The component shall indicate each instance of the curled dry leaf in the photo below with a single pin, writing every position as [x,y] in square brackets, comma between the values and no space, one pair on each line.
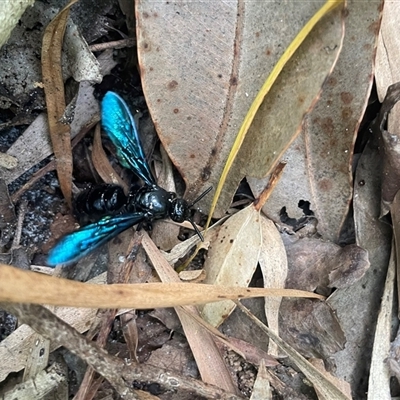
[80,62]
[55,99]
[202,65]
[195,276]
[102,163]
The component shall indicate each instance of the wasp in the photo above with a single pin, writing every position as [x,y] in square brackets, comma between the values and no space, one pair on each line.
[115,211]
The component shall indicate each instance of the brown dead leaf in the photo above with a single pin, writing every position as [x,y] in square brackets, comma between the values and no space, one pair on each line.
[391,147]
[387,69]
[202,64]
[253,354]
[208,358]
[311,328]
[357,306]
[314,263]
[19,286]
[319,160]
[55,99]
[175,356]
[102,164]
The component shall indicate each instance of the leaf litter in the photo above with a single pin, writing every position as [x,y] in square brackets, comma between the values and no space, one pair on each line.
[303,251]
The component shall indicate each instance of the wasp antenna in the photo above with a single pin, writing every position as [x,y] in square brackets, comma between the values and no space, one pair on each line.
[200,197]
[197,230]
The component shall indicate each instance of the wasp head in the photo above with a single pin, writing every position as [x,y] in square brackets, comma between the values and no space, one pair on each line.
[180,210]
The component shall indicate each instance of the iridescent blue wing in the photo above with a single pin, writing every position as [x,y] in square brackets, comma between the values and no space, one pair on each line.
[119,125]
[80,243]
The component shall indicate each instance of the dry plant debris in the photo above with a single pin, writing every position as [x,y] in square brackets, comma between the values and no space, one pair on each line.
[315,255]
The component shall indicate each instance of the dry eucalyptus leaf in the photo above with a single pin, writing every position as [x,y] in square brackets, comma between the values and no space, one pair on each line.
[261,389]
[319,160]
[279,119]
[55,99]
[311,328]
[253,354]
[102,163]
[327,389]
[391,146]
[380,374]
[17,286]
[341,384]
[387,70]
[314,263]
[273,264]
[202,65]
[357,306]
[232,258]
[209,361]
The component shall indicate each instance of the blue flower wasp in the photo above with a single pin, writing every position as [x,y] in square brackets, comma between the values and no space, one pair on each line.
[118,212]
